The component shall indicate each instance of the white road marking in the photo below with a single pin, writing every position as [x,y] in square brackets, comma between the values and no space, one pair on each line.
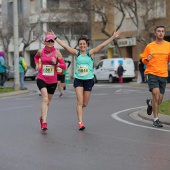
[130,91]
[115,116]
[12,108]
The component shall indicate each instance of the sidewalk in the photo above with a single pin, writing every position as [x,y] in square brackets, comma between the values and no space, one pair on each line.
[7,94]
[19,92]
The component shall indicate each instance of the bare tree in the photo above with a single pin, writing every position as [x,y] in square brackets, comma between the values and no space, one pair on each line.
[71,24]
[26,32]
[5,37]
[107,4]
[142,15]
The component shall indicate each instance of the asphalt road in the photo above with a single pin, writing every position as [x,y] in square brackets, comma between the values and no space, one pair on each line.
[113,139]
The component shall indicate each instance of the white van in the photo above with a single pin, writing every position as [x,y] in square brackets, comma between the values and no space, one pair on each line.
[106,69]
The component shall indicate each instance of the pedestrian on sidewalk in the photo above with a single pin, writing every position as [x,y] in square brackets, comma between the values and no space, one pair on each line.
[120,71]
[84,75]
[3,67]
[156,57]
[141,70]
[22,70]
[51,58]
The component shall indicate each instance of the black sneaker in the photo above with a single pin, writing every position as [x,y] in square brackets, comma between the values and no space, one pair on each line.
[61,94]
[157,123]
[149,108]
[64,88]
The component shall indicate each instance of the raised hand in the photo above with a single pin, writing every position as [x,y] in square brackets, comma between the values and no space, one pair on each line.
[53,33]
[116,34]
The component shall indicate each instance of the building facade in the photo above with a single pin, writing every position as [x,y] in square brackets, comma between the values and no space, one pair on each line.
[69,19]
[150,14]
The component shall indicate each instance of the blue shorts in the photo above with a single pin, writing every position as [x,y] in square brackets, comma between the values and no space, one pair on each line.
[157,82]
[50,87]
[86,84]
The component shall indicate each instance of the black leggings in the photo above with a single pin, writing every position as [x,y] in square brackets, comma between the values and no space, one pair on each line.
[3,78]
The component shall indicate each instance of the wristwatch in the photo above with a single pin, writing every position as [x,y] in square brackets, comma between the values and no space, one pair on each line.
[55,38]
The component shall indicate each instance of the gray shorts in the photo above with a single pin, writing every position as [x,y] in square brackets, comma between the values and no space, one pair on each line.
[157,82]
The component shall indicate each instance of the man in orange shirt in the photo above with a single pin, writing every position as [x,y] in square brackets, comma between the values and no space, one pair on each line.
[156,57]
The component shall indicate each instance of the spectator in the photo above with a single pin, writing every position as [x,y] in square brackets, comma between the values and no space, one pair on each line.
[22,70]
[3,67]
[141,70]
[120,71]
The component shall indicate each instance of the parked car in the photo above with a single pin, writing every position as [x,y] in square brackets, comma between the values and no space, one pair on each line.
[106,69]
[30,74]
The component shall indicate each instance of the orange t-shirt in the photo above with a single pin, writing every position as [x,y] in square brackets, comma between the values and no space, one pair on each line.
[158,65]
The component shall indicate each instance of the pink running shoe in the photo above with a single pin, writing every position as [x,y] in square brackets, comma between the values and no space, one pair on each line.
[44,126]
[81,126]
[40,120]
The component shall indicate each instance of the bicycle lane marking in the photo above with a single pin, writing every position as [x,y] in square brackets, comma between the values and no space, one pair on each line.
[115,116]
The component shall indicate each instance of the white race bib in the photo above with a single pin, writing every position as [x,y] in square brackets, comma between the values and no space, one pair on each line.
[48,70]
[83,70]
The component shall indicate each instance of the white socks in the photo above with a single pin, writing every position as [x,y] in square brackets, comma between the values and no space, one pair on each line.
[155,119]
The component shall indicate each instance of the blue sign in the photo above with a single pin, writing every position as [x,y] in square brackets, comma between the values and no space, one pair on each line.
[112,63]
[120,62]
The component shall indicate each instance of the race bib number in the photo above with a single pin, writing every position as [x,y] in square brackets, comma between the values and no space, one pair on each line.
[48,70]
[83,70]
[59,70]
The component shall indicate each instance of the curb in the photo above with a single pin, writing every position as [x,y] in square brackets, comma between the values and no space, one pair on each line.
[7,94]
[165,119]
[134,83]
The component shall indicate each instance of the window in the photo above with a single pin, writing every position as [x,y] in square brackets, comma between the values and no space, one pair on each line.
[60,29]
[78,3]
[157,9]
[20,7]
[10,12]
[99,65]
[32,4]
[53,3]
[77,29]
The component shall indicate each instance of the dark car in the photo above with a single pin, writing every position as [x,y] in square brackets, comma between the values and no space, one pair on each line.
[30,74]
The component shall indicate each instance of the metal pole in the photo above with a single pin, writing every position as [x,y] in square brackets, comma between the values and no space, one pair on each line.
[16,47]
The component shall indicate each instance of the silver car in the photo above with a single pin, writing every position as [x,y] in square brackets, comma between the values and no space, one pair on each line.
[30,74]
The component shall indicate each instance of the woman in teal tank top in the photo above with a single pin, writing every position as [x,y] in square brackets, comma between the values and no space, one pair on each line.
[83,75]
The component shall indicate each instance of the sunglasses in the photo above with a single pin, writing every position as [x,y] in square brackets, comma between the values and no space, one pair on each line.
[50,41]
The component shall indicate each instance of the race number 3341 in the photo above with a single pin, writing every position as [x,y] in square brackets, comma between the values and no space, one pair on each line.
[48,70]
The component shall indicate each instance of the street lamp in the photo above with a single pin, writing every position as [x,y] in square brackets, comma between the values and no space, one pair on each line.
[16,47]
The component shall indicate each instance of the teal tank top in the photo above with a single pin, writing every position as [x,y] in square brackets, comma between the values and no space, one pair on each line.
[84,67]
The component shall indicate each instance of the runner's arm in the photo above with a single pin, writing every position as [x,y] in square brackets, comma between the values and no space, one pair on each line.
[69,63]
[60,60]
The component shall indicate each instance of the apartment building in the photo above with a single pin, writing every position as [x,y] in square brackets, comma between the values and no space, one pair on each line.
[69,19]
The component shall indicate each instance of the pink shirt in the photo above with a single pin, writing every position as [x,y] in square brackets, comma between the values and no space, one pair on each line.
[48,72]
